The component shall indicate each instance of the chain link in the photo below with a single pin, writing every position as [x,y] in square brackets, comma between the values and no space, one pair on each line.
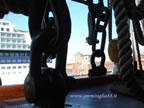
[97,22]
[99,15]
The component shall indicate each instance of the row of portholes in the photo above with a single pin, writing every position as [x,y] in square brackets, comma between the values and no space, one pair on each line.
[3,29]
[14,67]
[15,53]
[10,35]
[10,73]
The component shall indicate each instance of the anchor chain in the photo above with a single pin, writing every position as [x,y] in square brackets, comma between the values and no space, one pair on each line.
[101,13]
[125,51]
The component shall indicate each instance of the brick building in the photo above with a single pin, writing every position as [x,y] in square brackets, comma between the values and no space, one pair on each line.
[82,65]
[142,61]
[81,58]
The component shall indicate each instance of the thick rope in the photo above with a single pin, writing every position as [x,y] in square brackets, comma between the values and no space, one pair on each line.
[134,12]
[125,51]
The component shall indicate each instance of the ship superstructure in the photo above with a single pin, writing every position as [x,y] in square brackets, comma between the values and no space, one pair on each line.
[14,53]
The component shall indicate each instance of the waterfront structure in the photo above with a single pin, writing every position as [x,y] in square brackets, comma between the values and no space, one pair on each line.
[14,53]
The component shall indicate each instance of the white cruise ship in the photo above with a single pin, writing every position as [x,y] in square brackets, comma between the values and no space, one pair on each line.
[14,54]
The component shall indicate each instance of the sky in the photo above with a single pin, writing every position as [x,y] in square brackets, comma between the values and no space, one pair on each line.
[79,32]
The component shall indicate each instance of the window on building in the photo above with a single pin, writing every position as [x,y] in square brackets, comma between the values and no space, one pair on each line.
[24,41]
[2,34]
[6,54]
[18,35]
[14,41]
[3,67]
[2,29]
[19,41]
[19,61]
[14,61]
[24,67]
[29,54]
[13,35]
[8,35]
[1,54]
[19,67]
[19,46]
[14,67]
[8,61]
[8,67]
[14,46]
[24,60]
[26,54]
[8,40]
[2,46]
[11,54]
[8,46]
[22,36]
[2,61]
[7,29]
[16,54]
[3,40]
[5,23]
[24,47]
[21,54]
